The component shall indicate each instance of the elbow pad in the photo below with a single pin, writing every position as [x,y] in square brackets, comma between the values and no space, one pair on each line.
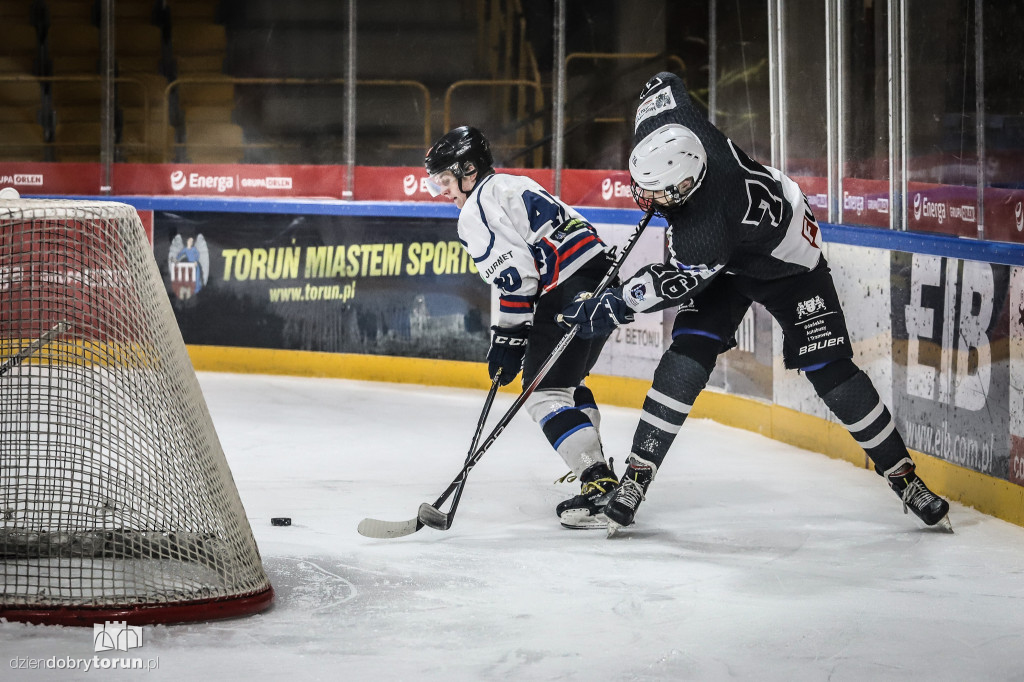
[658,286]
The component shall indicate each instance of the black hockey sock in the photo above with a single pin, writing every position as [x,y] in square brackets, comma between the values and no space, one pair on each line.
[857,405]
[678,381]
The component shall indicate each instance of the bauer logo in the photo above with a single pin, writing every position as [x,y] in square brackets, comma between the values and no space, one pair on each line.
[116,636]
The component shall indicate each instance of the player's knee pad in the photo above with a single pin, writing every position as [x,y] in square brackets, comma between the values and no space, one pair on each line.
[704,350]
[686,366]
[547,401]
[583,397]
[826,378]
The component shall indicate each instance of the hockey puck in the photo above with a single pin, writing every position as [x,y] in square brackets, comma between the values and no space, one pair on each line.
[280,521]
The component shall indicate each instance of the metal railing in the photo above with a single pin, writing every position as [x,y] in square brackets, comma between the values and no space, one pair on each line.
[623,56]
[522,84]
[50,114]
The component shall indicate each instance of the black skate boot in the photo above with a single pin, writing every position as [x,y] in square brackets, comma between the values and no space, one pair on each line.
[632,491]
[584,510]
[928,506]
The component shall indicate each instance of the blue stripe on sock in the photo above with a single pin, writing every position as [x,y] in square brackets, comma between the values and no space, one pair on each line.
[696,332]
[569,433]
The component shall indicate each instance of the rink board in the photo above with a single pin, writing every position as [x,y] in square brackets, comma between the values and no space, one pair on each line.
[381,291]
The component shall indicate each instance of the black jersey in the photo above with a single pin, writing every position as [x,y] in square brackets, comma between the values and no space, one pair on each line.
[745,218]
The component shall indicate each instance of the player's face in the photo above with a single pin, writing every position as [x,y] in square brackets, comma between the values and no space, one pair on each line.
[667,198]
[449,186]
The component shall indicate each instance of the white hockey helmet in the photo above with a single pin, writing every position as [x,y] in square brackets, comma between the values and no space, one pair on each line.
[667,166]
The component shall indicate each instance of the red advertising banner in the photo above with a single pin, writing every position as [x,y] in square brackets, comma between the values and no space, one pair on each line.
[866,202]
[947,209]
[816,191]
[1004,215]
[409,183]
[600,188]
[229,180]
[30,177]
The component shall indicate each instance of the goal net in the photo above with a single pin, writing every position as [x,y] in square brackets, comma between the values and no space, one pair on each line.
[116,501]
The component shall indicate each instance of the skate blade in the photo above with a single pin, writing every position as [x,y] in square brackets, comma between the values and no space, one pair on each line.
[581,520]
[613,529]
[943,525]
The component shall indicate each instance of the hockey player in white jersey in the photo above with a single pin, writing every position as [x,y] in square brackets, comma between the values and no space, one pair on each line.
[539,253]
[738,232]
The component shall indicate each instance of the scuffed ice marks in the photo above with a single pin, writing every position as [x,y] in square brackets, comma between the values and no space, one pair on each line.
[311,585]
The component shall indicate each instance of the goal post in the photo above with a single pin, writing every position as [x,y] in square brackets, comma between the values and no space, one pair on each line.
[116,500]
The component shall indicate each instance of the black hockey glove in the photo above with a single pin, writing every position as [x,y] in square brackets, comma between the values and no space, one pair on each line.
[596,316]
[508,346]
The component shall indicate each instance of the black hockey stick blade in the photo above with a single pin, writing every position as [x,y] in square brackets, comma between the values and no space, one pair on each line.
[375,528]
[29,350]
[429,515]
[382,530]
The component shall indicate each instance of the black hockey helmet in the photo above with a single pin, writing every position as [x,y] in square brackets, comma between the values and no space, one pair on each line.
[457,150]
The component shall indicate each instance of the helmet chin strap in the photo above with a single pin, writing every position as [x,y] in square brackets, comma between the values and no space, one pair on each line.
[461,188]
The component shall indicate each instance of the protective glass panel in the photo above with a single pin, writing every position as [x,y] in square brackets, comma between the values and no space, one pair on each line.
[804,97]
[940,116]
[865,113]
[742,82]
[612,49]
[1004,120]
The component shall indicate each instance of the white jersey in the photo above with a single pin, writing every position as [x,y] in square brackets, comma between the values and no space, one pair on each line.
[523,241]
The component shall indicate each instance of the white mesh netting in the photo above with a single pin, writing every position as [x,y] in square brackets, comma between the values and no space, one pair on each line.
[114,490]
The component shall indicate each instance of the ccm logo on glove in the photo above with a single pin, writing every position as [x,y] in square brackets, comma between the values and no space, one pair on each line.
[508,346]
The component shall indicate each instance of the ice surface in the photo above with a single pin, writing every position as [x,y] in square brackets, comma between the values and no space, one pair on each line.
[750,560]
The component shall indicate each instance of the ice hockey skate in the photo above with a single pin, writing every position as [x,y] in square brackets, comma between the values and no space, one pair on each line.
[632,490]
[585,511]
[916,496]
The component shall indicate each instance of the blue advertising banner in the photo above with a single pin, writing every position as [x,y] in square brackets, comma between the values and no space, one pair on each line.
[333,283]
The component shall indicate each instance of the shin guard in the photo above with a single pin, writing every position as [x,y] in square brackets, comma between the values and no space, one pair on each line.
[678,381]
[567,428]
[856,403]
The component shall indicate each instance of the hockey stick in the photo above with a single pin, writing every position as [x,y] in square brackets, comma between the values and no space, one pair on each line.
[29,350]
[375,528]
[430,515]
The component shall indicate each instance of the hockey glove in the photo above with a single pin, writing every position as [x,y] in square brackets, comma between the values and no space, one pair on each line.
[508,346]
[596,317]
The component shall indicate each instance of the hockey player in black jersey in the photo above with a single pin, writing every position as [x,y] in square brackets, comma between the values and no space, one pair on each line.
[738,232]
